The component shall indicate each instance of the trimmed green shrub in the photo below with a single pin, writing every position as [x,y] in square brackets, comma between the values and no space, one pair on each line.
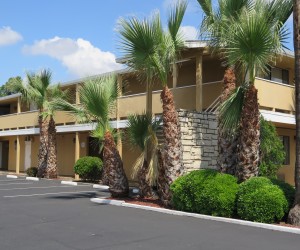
[32,172]
[287,189]
[89,168]
[206,192]
[261,201]
[272,152]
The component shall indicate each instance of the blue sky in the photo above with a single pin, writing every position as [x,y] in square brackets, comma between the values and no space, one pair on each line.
[73,38]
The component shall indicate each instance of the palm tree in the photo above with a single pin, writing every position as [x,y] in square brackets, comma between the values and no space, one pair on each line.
[151,52]
[97,103]
[39,91]
[141,133]
[294,214]
[251,42]
[227,11]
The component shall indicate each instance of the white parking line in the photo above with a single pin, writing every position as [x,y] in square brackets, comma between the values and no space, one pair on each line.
[29,195]
[11,176]
[12,180]
[17,183]
[7,189]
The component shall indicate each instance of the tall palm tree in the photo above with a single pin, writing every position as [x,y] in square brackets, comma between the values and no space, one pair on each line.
[294,214]
[227,11]
[151,52]
[141,133]
[97,103]
[38,90]
[251,42]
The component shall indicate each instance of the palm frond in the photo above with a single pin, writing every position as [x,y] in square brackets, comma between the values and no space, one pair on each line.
[137,165]
[138,129]
[174,22]
[76,111]
[230,112]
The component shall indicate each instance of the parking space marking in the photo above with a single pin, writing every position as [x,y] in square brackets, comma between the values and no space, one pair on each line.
[16,183]
[30,195]
[13,180]
[7,189]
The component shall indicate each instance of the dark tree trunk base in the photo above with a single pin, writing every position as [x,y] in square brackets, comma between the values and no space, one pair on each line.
[113,168]
[294,215]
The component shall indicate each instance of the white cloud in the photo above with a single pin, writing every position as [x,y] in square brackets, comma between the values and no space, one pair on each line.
[79,56]
[189,32]
[9,36]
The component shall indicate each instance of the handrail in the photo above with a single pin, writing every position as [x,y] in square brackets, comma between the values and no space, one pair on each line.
[214,105]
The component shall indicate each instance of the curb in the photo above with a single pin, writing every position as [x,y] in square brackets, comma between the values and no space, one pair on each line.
[11,176]
[69,183]
[32,179]
[201,216]
[103,187]
[107,202]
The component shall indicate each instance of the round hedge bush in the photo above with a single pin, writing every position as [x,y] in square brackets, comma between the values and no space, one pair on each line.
[261,201]
[206,192]
[32,172]
[89,168]
[287,189]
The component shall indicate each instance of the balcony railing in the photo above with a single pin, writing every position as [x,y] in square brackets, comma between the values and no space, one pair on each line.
[275,96]
[272,96]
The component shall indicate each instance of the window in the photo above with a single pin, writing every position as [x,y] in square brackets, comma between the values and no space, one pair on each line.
[276,75]
[286,145]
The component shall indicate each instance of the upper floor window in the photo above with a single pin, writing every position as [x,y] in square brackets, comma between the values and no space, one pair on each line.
[277,75]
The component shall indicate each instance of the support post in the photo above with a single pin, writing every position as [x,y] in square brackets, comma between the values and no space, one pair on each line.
[18,155]
[175,75]
[19,105]
[77,150]
[120,85]
[149,99]
[199,82]
[77,97]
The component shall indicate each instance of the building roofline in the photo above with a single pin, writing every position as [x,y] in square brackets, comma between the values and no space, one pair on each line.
[3,98]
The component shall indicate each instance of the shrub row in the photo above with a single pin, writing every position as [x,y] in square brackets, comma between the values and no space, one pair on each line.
[209,192]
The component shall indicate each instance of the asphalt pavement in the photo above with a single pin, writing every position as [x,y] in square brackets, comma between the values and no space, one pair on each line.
[46,215]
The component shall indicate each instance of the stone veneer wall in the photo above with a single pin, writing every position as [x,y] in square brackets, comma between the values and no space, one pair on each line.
[199,134]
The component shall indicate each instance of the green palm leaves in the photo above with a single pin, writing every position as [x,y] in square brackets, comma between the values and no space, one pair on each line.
[141,133]
[97,102]
[148,48]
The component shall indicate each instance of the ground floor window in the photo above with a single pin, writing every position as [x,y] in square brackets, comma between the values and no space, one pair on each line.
[286,145]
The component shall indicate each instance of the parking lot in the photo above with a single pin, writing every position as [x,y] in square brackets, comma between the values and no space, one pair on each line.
[46,214]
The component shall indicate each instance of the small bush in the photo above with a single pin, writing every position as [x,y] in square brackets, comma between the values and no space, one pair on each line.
[89,168]
[206,192]
[32,172]
[261,201]
[287,189]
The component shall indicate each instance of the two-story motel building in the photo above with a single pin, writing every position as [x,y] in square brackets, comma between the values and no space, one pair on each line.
[197,87]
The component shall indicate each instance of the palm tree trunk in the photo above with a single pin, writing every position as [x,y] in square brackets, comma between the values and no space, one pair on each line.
[114,172]
[162,183]
[172,151]
[227,146]
[51,171]
[145,188]
[249,140]
[43,149]
[294,214]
